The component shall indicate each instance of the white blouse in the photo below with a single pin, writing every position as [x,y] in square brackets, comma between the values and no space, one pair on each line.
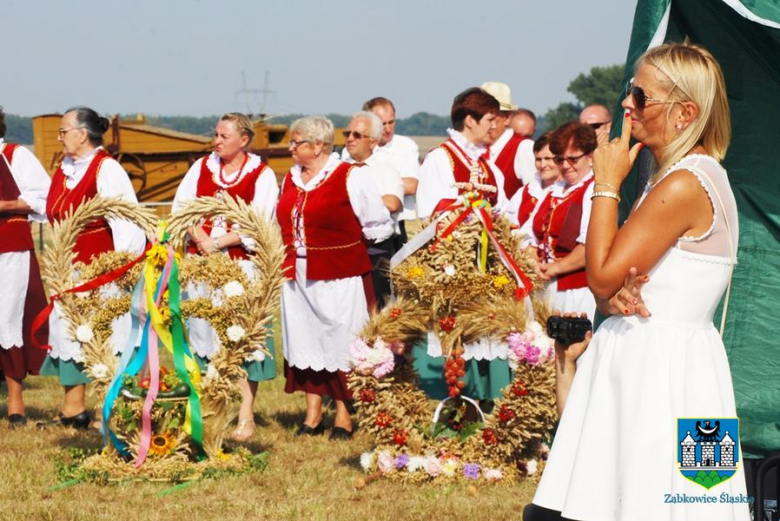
[32,180]
[437,179]
[112,181]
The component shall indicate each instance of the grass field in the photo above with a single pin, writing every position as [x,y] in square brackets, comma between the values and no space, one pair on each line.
[311,478]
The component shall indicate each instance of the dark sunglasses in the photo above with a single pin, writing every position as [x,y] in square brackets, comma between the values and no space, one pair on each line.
[569,159]
[356,135]
[596,126]
[640,98]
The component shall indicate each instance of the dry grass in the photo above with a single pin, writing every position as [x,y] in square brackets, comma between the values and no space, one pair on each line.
[306,478]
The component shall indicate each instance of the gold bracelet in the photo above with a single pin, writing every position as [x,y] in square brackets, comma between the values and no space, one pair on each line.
[611,195]
[607,185]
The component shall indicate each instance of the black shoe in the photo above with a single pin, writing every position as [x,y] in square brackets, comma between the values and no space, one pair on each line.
[339,433]
[78,421]
[17,420]
[305,430]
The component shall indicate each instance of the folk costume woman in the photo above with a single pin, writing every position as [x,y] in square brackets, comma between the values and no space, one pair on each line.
[24,185]
[473,116]
[522,205]
[328,209]
[229,171]
[86,171]
[641,373]
[560,220]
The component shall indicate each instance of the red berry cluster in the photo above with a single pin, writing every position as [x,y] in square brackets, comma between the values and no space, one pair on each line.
[505,414]
[454,369]
[367,396]
[447,323]
[489,437]
[401,437]
[395,312]
[519,388]
[383,420]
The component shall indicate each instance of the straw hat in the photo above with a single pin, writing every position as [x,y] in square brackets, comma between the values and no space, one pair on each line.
[501,92]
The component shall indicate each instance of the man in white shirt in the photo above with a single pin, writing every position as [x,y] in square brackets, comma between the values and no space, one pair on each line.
[403,153]
[511,152]
[523,122]
[363,137]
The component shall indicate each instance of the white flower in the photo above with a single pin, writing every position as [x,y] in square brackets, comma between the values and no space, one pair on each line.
[256,356]
[449,269]
[235,333]
[492,474]
[532,466]
[84,333]
[99,371]
[416,463]
[365,460]
[233,289]
[109,291]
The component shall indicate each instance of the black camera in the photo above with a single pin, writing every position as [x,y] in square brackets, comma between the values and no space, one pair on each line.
[568,330]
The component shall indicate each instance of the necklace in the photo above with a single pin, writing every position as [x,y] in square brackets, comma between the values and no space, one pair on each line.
[222,179]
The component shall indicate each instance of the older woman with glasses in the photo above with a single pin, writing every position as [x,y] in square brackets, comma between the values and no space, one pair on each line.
[560,221]
[229,170]
[86,172]
[327,211]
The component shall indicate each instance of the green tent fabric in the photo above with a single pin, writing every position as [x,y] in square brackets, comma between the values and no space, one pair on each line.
[745,38]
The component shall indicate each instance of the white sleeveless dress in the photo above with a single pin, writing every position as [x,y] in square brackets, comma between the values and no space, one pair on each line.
[615,452]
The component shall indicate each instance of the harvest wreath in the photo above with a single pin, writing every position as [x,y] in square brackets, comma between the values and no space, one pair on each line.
[464,278]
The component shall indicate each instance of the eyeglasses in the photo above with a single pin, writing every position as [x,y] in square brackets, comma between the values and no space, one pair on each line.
[388,123]
[640,98]
[62,131]
[596,126]
[357,135]
[569,159]
[295,144]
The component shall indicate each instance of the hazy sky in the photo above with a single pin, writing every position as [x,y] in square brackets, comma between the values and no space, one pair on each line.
[186,57]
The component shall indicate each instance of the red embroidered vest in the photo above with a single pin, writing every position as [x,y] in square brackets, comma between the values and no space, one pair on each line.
[527,204]
[14,229]
[506,162]
[333,234]
[461,172]
[96,237]
[244,189]
[557,226]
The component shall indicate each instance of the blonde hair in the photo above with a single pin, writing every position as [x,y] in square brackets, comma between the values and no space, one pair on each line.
[692,74]
[243,124]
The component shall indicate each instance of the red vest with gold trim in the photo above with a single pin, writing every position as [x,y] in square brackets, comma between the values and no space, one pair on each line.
[557,226]
[527,204]
[333,234]
[506,162]
[14,229]
[461,172]
[96,237]
[244,189]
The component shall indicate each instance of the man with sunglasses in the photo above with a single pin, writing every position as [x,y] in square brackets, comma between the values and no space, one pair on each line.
[512,153]
[362,137]
[599,118]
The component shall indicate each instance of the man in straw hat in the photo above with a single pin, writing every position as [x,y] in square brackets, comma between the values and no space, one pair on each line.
[511,152]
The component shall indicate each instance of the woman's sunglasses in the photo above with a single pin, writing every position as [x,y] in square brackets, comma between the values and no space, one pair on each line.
[640,98]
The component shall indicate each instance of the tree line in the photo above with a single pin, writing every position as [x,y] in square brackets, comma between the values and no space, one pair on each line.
[601,85]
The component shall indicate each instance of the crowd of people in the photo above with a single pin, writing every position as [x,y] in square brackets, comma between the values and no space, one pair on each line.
[342,216]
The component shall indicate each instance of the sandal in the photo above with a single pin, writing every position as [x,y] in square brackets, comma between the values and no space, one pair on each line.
[244,430]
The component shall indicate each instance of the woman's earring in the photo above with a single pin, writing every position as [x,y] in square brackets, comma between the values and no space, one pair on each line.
[678,127]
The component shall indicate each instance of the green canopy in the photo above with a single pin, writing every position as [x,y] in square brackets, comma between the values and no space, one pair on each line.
[745,38]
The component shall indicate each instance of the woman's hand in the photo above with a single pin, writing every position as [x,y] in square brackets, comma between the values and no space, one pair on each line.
[567,354]
[613,161]
[207,246]
[628,299]
[548,271]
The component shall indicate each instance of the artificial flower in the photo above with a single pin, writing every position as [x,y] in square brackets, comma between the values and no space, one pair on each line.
[433,466]
[84,333]
[492,474]
[255,356]
[489,437]
[450,467]
[233,289]
[449,270]
[367,396]
[401,460]
[383,420]
[471,470]
[500,281]
[505,414]
[532,466]
[365,460]
[415,272]
[401,437]
[385,461]
[416,463]
[99,371]
[162,444]
[235,333]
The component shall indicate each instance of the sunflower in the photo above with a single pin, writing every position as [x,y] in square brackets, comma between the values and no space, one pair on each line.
[162,444]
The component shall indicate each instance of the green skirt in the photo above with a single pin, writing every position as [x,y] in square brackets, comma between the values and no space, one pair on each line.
[256,371]
[485,379]
[69,372]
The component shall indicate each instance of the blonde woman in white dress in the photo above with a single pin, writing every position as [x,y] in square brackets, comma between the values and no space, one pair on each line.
[614,454]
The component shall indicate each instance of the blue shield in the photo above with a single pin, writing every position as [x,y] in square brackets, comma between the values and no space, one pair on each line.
[708,449]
